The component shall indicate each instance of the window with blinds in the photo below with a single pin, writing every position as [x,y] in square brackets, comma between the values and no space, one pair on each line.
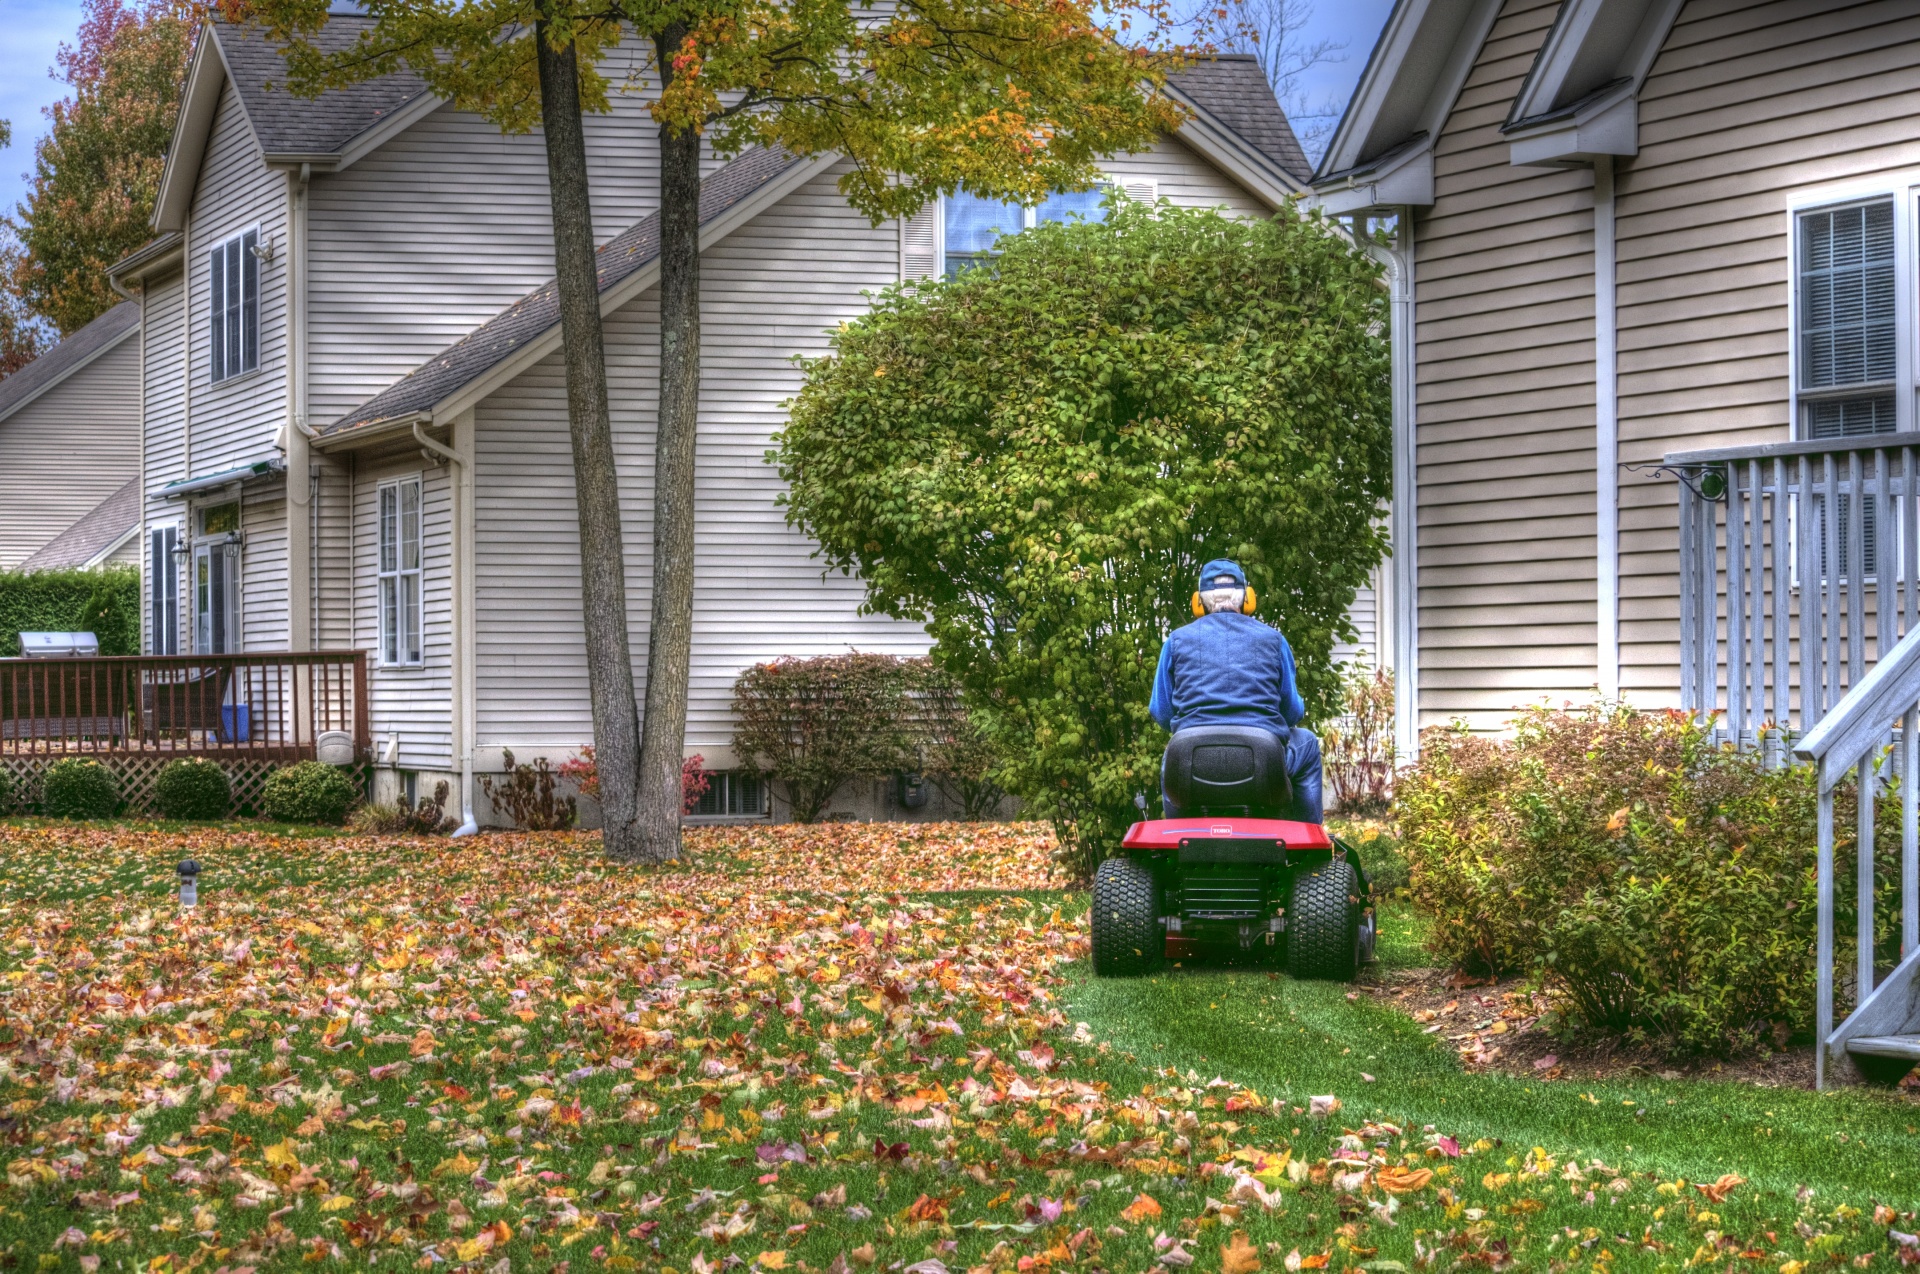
[163,583]
[1848,320]
[233,306]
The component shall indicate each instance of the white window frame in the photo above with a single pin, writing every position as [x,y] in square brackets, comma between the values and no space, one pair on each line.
[1903,190]
[396,608]
[1140,189]
[216,560]
[218,371]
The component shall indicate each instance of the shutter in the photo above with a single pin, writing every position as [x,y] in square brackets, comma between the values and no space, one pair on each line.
[1140,189]
[249,302]
[217,313]
[920,243]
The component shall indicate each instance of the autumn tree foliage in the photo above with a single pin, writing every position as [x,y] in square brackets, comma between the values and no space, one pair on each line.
[1035,459]
[1005,98]
[98,168]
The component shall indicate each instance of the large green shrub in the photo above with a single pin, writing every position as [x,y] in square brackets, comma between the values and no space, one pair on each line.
[815,723]
[78,787]
[309,792]
[1664,884]
[1034,459]
[193,788]
[104,602]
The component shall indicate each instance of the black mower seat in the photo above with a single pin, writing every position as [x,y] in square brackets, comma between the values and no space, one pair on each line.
[1228,769]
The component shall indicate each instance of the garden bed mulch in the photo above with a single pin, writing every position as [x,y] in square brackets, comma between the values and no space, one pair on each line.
[1498,1026]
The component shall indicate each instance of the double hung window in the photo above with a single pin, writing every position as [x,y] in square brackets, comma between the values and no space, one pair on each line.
[233,306]
[400,572]
[163,584]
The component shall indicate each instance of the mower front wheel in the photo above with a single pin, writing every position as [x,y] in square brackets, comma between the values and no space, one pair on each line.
[1323,923]
[1127,938]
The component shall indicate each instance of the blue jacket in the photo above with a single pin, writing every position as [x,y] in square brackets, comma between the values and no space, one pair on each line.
[1226,669]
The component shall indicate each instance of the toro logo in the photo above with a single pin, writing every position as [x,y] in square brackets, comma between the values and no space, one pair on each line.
[1223,829]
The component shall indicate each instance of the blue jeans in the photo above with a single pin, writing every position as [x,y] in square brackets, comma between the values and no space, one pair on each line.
[1303,768]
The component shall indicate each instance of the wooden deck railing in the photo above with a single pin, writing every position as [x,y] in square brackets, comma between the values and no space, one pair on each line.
[262,706]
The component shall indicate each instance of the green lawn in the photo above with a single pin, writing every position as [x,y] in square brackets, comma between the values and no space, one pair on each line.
[426,1054]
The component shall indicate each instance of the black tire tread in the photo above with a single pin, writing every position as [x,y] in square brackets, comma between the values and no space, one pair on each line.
[1127,938]
[1323,923]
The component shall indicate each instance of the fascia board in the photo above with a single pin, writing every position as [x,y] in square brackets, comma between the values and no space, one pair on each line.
[112,548]
[67,375]
[1555,60]
[385,130]
[620,294]
[1352,140]
[1226,150]
[1610,126]
[205,77]
[1578,23]
[1370,94]
[163,252]
[1405,183]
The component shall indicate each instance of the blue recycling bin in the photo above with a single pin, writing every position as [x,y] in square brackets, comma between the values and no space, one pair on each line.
[236,722]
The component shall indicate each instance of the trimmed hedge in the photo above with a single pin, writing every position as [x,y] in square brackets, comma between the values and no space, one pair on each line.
[104,602]
[1663,884]
[309,792]
[78,787]
[192,788]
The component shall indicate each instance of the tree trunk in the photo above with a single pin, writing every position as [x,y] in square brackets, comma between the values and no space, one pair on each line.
[670,638]
[603,579]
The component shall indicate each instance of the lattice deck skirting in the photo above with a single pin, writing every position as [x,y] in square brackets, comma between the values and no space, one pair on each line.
[136,775]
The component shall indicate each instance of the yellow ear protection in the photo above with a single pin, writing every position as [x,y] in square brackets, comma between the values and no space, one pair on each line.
[1246,606]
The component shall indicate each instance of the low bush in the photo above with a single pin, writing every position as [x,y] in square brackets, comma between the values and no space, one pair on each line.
[192,788]
[7,797]
[1663,884]
[424,817]
[954,751]
[815,723]
[584,770]
[77,787]
[309,792]
[1357,743]
[526,795]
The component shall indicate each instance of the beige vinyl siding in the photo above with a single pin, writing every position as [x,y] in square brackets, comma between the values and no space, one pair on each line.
[263,568]
[413,704]
[1746,104]
[161,316]
[1185,177]
[68,449]
[333,558]
[773,289]
[1505,408]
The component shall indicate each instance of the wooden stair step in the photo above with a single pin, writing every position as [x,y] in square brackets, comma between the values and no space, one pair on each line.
[1907,1046]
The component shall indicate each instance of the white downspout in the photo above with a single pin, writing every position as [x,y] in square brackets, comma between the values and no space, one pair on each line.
[300,572]
[1403,605]
[1606,416]
[459,459]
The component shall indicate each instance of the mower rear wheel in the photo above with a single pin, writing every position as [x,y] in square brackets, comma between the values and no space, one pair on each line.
[1323,923]
[1127,938]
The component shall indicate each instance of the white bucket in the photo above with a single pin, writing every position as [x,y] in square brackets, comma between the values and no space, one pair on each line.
[334,747]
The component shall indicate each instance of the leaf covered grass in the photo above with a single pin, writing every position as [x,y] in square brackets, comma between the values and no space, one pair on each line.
[808,1049]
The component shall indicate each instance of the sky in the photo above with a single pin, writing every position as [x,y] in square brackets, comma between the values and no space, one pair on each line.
[35,28]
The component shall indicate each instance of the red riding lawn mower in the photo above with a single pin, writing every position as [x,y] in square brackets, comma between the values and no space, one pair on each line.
[1232,873]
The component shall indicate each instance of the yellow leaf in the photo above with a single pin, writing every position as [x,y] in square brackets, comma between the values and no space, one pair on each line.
[1239,1256]
[281,1155]
[775,1260]
[338,1203]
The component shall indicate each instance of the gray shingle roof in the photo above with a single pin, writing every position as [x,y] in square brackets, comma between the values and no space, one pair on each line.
[539,310]
[285,124]
[54,366]
[97,531]
[1234,90]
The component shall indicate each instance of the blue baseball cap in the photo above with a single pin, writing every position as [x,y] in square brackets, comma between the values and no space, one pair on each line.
[1210,574]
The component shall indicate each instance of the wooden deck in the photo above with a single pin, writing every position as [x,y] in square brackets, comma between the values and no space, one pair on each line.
[268,706]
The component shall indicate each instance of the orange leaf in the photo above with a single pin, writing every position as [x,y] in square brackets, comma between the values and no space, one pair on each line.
[1239,1256]
[1403,1180]
[1143,1208]
[1719,1190]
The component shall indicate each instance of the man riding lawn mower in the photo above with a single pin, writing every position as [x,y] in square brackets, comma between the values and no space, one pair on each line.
[1241,858]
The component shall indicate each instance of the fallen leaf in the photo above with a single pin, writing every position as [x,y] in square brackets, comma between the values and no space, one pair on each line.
[1239,1256]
